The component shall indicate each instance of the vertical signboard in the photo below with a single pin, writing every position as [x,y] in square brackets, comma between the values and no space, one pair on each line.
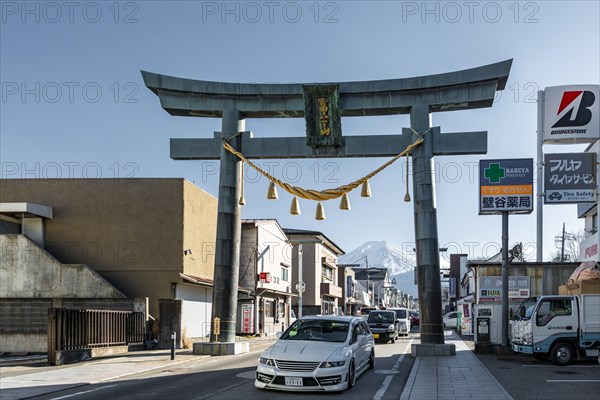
[247,318]
[506,186]
[570,178]
[571,114]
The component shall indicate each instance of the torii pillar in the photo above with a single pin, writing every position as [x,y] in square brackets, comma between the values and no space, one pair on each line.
[419,97]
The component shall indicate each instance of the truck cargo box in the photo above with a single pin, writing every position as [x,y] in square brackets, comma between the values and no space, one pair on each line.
[590,286]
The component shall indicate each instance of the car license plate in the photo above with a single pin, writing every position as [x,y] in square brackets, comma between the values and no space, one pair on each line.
[290,381]
[376,336]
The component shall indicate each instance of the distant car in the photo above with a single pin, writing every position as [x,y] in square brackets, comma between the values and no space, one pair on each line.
[364,311]
[383,325]
[414,318]
[318,353]
[403,319]
[450,319]
[555,196]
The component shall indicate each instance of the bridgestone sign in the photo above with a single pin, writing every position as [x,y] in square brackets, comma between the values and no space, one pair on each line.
[572,114]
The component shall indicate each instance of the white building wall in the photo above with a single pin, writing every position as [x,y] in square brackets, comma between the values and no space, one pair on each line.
[196,309]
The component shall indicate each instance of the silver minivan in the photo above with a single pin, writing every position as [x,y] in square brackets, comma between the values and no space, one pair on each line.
[403,318]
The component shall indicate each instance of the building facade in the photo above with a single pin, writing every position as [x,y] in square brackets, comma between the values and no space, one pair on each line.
[318,273]
[151,238]
[265,280]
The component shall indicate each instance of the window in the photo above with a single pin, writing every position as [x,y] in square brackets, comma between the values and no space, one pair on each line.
[327,273]
[269,309]
[327,306]
[281,311]
[285,273]
[549,309]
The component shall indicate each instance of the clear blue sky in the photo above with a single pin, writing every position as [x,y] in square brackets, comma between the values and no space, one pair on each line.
[74,104]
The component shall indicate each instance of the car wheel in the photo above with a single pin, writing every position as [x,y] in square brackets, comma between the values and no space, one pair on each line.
[372,360]
[351,375]
[393,339]
[562,354]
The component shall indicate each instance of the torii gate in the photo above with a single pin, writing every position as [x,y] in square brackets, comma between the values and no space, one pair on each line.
[420,96]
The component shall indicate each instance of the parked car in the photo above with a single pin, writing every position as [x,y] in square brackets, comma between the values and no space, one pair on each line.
[403,319]
[383,325]
[414,318]
[450,319]
[318,353]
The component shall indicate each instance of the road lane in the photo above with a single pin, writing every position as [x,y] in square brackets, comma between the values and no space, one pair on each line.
[232,378]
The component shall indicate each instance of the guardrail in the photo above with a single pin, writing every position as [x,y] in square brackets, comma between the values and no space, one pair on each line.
[86,329]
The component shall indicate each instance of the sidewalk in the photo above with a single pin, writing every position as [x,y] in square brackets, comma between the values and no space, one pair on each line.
[457,377]
[25,382]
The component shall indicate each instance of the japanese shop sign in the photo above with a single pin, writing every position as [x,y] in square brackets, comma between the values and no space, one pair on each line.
[571,114]
[506,186]
[490,288]
[570,178]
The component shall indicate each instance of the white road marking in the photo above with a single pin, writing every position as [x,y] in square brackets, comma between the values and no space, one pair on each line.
[388,379]
[571,380]
[555,366]
[84,392]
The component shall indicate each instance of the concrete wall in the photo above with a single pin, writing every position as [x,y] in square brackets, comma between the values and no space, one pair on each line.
[27,271]
[131,231]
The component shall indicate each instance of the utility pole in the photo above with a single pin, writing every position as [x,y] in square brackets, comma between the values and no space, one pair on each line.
[562,245]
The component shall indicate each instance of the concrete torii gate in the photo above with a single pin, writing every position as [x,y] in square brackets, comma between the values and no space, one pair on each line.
[420,96]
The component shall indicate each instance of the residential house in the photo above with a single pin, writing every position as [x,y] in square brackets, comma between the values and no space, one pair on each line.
[322,291]
[265,279]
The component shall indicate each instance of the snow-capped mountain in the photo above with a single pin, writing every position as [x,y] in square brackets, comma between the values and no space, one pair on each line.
[385,255]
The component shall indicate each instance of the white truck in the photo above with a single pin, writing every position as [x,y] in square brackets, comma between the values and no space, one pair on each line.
[561,328]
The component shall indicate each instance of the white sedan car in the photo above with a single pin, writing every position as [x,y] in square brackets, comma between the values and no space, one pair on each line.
[318,353]
[450,320]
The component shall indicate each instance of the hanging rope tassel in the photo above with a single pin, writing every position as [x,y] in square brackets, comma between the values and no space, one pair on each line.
[242,201]
[295,208]
[366,189]
[272,193]
[345,202]
[320,216]
[407,196]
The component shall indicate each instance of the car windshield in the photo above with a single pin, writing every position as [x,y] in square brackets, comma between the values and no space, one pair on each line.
[317,330]
[401,314]
[381,317]
[526,308]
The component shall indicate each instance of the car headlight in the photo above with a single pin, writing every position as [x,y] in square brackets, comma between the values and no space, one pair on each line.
[267,361]
[391,327]
[330,364]
[527,338]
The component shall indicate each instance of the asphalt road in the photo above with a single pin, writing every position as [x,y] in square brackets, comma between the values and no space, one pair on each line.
[526,378]
[232,378]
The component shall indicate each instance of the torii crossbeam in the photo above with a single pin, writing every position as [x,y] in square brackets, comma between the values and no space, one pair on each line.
[420,96]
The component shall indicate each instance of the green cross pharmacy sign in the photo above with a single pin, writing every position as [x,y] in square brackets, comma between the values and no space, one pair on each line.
[506,186]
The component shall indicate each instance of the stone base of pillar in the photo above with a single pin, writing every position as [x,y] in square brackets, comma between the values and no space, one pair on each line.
[427,349]
[221,348]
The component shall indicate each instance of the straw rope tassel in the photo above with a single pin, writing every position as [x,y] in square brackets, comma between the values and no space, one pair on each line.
[407,196]
[242,201]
